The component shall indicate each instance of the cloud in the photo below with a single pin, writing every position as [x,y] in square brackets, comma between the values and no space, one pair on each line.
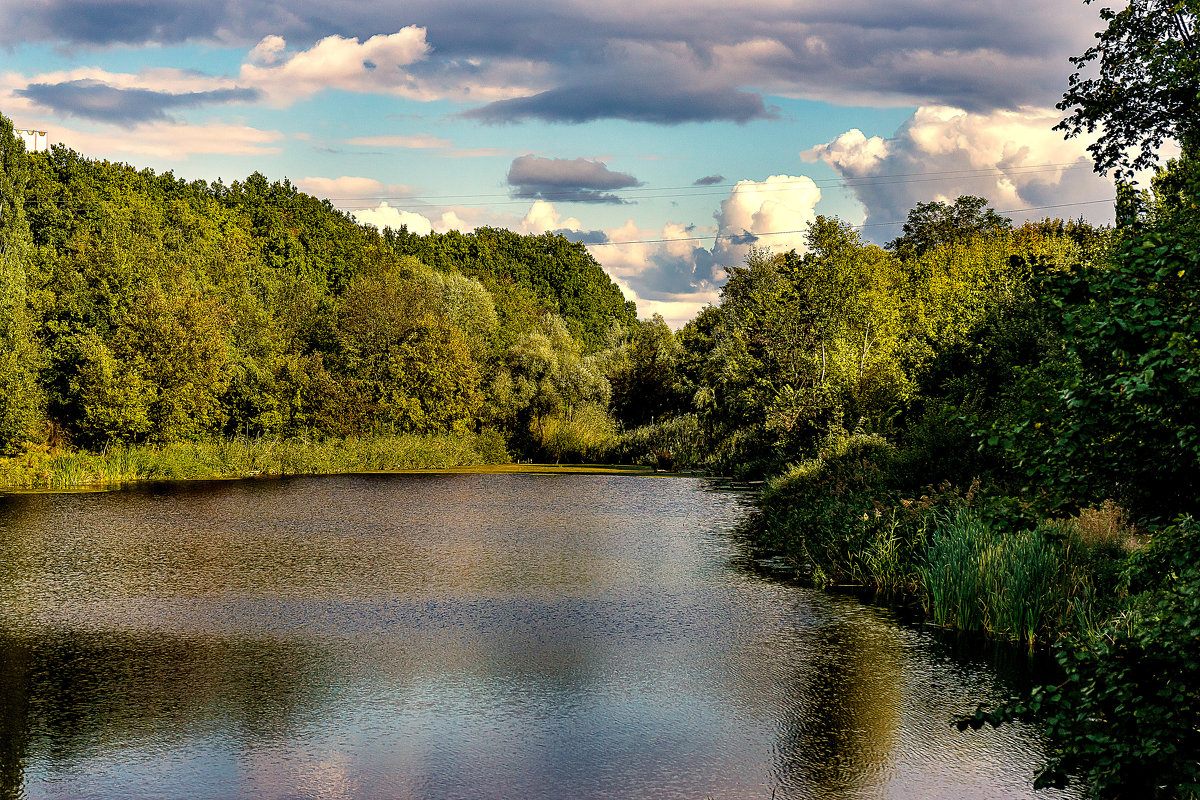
[650,62]
[96,100]
[621,100]
[678,269]
[335,62]
[709,180]
[420,141]
[773,213]
[388,216]
[675,269]
[583,237]
[107,23]
[544,218]
[1011,158]
[423,141]
[394,64]
[172,141]
[578,180]
[348,190]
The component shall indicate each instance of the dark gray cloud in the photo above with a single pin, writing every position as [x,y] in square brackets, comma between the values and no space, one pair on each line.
[584,237]
[645,61]
[87,22]
[743,238]
[664,105]
[709,180]
[575,180]
[97,100]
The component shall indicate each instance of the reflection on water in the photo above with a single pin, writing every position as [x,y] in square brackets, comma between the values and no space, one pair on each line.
[457,636]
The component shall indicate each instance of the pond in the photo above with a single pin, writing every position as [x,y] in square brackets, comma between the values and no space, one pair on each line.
[459,636]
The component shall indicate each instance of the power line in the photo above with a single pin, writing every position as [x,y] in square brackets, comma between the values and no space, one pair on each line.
[744,234]
[777,186]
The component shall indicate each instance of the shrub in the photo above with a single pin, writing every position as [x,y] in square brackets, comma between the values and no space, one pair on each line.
[671,444]
[824,514]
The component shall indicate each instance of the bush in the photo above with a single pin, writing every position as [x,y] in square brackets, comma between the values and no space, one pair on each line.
[672,444]
[827,514]
[584,433]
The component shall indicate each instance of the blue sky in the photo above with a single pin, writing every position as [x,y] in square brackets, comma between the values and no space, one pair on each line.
[671,136]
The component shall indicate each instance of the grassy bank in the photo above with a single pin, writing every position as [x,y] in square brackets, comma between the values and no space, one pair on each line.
[40,467]
[974,560]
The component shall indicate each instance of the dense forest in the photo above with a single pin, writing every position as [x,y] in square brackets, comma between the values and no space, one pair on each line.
[141,308]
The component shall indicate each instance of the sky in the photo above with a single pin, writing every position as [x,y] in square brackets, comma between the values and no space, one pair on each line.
[670,136]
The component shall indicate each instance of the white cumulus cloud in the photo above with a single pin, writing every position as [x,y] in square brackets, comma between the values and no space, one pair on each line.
[775,212]
[335,62]
[544,217]
[678,269]
[383,64]
[1012,158]
[386,215]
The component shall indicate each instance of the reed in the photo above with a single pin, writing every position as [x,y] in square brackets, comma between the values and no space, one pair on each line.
[1016,584]
[40,467]
[952,572]
[1022,590]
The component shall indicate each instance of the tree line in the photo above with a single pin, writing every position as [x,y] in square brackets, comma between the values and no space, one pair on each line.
[141,308]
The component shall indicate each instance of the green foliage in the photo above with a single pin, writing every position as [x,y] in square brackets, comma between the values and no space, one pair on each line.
[563,276]
[583,432]
[20,398]
[931,225]
[39,466]
[1145,88]
[671,444]
[1121,417]
[642,366]
[412,370]
[805,347]
[546,383]
[801,347]
[1125,719]
[169,310]
[826,514]
[978,576]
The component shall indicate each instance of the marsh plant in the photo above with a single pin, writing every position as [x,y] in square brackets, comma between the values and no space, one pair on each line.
[1023,583]
[48,468]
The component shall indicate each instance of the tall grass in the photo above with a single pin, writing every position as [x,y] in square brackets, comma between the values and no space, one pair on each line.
[952,572]
[979,577]
[44,468]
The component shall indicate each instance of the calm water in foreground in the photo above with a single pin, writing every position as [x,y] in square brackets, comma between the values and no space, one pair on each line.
[458,636]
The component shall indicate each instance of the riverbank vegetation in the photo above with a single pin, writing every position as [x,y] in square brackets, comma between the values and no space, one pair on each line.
[39,466]
[143,314]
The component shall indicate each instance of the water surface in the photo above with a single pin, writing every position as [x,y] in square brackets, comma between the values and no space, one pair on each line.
[458,636]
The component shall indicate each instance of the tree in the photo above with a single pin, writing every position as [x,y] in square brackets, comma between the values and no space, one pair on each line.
[1148,87]
[1124,422]
[411,363]
[19,395]
[937,223]
[549,382]
[643,369]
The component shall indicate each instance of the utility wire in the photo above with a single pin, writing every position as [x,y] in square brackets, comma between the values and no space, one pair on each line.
[720,189]
[744,234]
